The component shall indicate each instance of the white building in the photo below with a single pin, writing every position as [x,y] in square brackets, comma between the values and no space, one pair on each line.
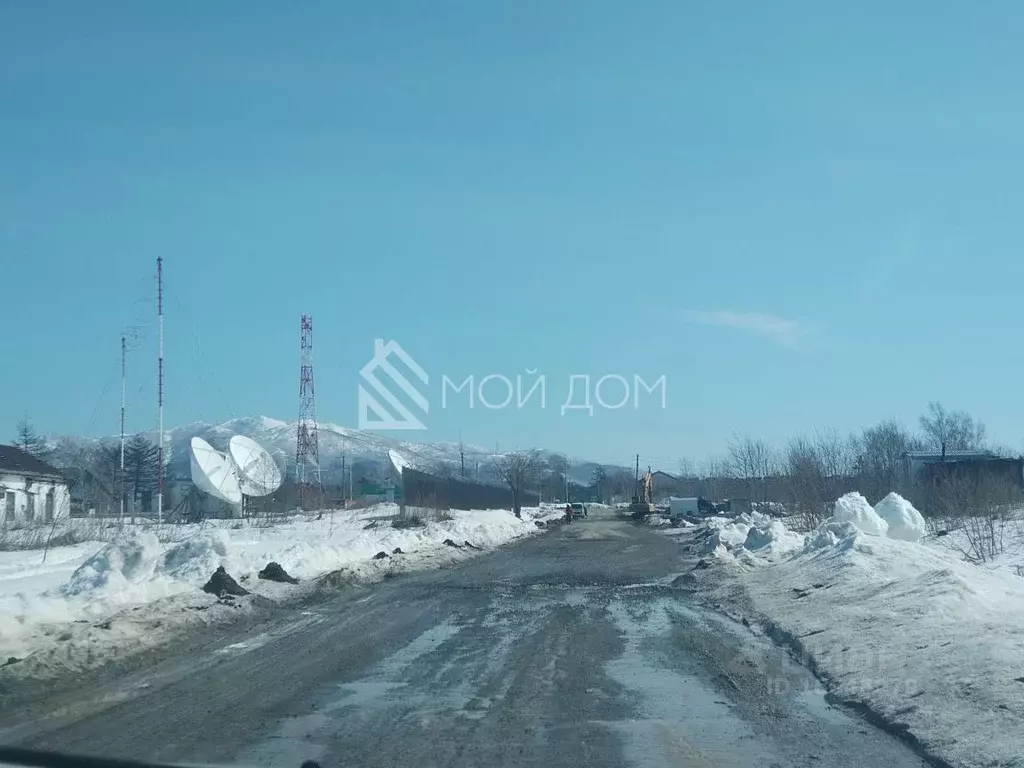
[30,489]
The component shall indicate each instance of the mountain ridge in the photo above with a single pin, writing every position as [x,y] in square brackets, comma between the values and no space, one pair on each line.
[365,451]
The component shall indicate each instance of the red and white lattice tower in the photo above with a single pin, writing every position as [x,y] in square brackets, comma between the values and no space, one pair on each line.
[307,450]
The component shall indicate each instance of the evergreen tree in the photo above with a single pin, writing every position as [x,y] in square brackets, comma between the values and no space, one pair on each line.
[29,440]
[141,466]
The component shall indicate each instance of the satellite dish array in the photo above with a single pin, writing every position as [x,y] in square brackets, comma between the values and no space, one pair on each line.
[245,470]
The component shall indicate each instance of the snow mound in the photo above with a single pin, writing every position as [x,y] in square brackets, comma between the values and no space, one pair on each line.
[727,537]
[128,559]
[854,508]
[831,533]
[195,559]
[773,536]
[904,521]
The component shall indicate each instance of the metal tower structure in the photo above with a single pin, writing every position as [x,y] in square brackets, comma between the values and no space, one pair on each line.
[120,520]
[160,389]
[307,449]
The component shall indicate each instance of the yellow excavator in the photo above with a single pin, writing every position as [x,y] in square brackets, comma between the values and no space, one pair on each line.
[643,496]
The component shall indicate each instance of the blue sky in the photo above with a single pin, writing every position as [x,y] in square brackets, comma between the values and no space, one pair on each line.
[802,216]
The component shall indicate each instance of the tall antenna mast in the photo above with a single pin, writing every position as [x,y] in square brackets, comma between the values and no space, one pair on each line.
[307,450]
[160,389]
[462,456]
[121,518]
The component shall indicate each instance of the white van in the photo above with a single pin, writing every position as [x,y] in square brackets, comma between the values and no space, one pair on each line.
[695,506]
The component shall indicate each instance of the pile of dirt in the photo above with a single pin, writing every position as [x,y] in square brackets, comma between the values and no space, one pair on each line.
[221,584]
[274,572]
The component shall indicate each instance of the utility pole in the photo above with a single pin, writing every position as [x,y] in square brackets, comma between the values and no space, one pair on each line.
[160,389]
[343,477]
[462,456]
[120,520]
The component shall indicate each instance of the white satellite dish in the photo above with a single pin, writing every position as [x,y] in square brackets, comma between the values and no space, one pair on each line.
[397,459]
[257,471]
[214,473]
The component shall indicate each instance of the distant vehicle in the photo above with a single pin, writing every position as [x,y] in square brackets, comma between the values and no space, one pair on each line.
[695,506]
[579,510]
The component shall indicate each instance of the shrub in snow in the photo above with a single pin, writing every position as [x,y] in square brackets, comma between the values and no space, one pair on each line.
[128,559]
[854,508]
[829,534]
[905,522]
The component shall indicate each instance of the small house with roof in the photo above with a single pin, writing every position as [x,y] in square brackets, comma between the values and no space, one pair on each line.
[30,489]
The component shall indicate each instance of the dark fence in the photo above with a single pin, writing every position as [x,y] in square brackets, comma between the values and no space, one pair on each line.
[422,490]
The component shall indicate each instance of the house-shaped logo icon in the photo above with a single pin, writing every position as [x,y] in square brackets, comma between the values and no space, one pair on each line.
[373,414]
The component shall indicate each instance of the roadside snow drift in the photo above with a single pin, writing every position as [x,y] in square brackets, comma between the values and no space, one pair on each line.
[48,602]
[746,534]
[930,643]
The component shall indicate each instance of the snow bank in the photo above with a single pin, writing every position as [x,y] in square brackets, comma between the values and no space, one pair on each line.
[907,629]
[904,521]
[41,601]
[129,559]
[750,532]
[916,634]
[854,508]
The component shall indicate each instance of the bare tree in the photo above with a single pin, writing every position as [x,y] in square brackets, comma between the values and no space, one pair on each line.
[552,473]
[517,470]
[599,482]
[751,461]
[714,474]
[620,483]
[686,469]
[951,430]
[878,457]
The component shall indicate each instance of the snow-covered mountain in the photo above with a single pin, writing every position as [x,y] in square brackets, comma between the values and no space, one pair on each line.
[366,451]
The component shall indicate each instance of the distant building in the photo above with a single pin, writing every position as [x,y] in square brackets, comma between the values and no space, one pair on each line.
[665,485]
[934,467]
[30,489]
